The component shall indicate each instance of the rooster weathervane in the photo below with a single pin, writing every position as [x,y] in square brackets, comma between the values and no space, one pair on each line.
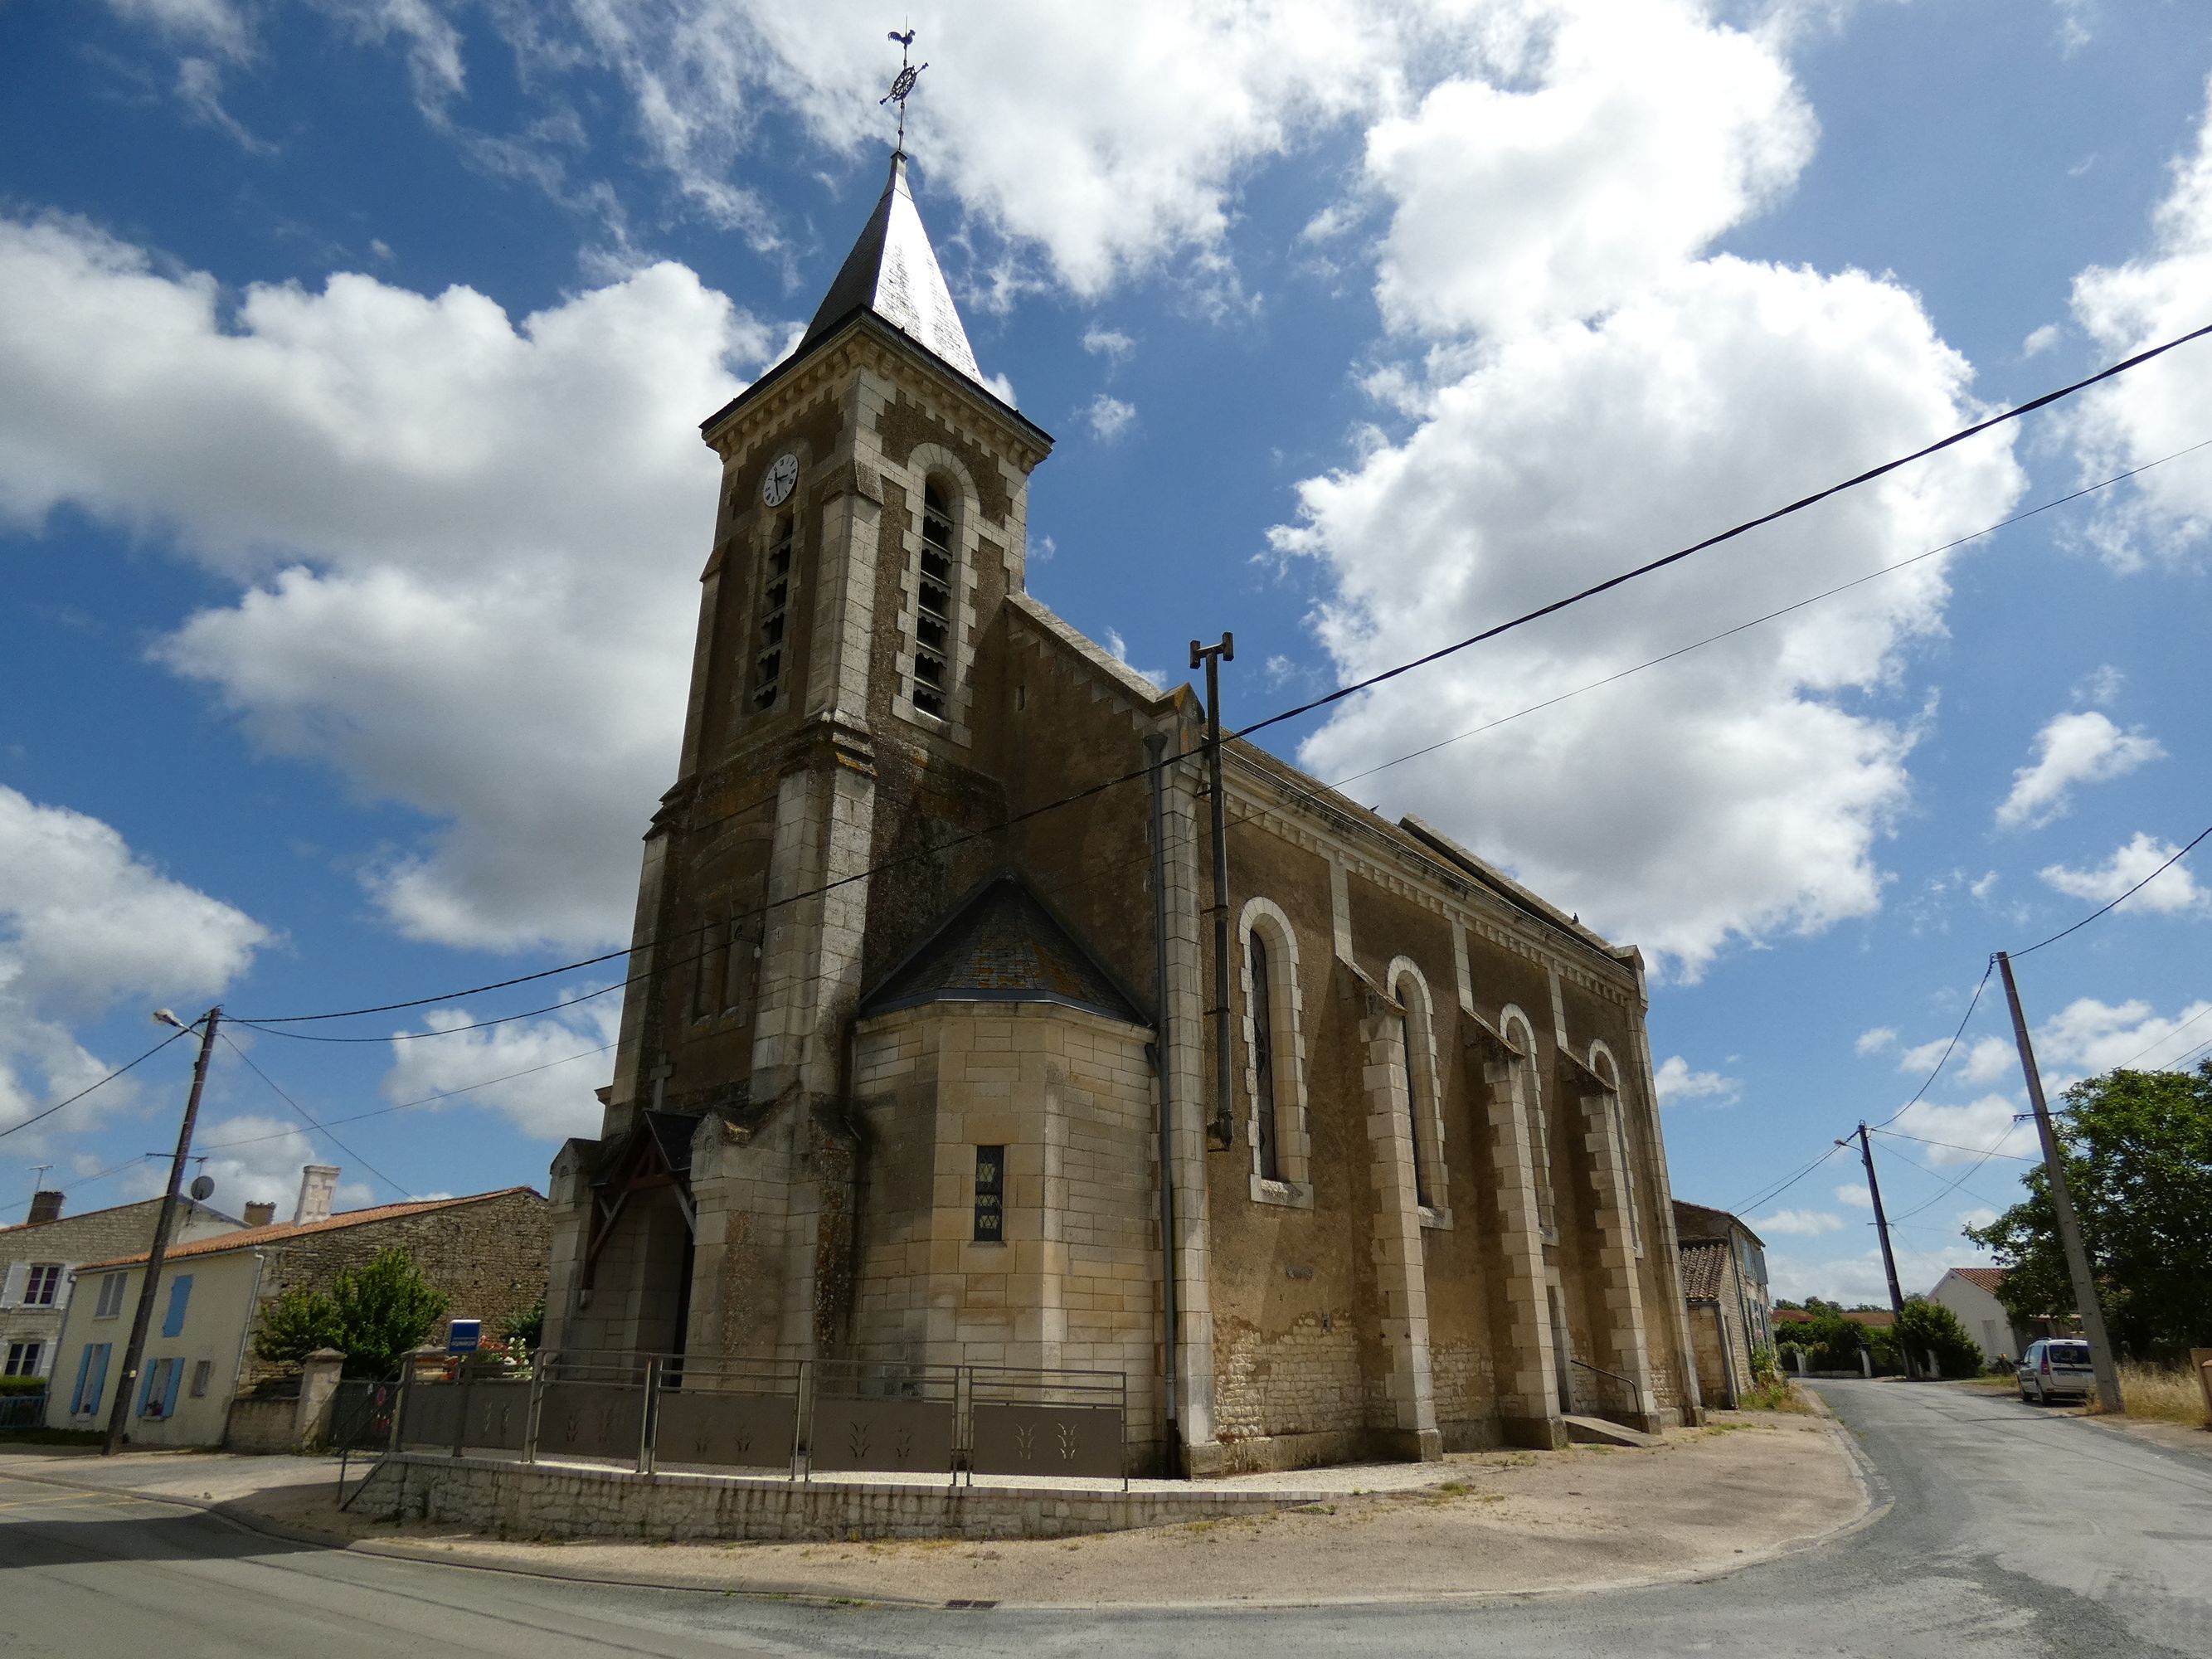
[909,74]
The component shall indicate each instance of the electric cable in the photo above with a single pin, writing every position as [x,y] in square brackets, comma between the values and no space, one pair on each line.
[309,1118]
[2123,899]
[2205,1013]
[42,1116]
[1952,1146]
[1094,790]
[1962,1177]
[1776,1191]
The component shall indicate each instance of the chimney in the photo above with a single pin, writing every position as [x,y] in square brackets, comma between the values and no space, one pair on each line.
[45,1207]
[318,1184]
[261,1214]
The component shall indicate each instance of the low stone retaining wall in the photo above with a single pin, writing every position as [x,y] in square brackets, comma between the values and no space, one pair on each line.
[552,1500]
[262,1426]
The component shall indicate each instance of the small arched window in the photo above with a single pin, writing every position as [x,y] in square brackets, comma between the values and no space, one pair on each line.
[1264,1134]
[1423,1094]
[773,607]
[1274,1056]
[1601,1062]
[932,604]
[1518,1033]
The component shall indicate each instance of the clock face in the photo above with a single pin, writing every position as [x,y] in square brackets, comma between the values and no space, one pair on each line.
[782,474]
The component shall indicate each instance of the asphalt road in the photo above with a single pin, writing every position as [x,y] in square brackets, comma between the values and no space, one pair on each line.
[2010,1531]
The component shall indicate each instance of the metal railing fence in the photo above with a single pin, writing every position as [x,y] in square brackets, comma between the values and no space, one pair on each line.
[684,1413]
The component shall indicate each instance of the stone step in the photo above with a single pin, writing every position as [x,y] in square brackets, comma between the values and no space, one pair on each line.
[1596,1431]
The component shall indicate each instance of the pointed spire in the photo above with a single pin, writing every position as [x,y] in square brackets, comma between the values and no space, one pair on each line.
[892,270]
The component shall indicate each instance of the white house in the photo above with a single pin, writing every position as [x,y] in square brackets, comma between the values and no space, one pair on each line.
[1971,1293]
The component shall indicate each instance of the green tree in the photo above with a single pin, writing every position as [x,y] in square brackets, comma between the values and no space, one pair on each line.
[1927,1327]
[2138,1152]
[526,1326]
[373,1315]
[299,1321]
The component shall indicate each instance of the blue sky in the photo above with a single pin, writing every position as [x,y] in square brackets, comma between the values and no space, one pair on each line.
[352,507]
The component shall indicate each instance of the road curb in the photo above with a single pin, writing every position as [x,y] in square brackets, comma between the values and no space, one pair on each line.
[1873,1505]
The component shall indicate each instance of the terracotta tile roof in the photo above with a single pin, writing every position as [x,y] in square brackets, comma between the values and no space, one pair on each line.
[1987,1277]
[252,1238]
[1704,1268]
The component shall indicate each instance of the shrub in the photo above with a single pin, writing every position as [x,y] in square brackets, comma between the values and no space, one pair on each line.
[1929,1327]
[373,1315]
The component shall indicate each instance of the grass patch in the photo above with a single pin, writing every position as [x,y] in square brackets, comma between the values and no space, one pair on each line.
[1779,1396]
[2160,1394]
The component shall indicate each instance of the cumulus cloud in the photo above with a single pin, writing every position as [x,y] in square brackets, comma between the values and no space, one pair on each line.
[1732,794]
[1855,1194]
[1965,1133]
[1877,1040]
[2164,406]
[2088,1036]
[2175,892]
[1604,147]
[1108,342]
[1677,1084]
[1798,1224]
[1860,1281]
[86,922]
[256,1160]
[1982,1060]
[2072,749]
[1108,417]
[462,542]
[549,1067]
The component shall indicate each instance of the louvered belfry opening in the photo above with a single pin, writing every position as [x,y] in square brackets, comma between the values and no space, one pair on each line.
[933,604]
[775,600]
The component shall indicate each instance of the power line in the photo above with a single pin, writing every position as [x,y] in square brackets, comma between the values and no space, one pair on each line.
[1784,1186]
[2124,898]
[1952,1145]
[310,1121]
[407,1105]
[1772,615]
[1747,525]
[2168,1037]
[1944,1058]
[1961,1180]
[1094,790]
[77,1186]
[42,1116]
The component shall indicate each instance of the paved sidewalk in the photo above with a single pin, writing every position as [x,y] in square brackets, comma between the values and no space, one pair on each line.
[1489,1523]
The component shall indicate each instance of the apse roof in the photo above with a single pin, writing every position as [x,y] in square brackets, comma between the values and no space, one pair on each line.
[1004,946]
[892,270]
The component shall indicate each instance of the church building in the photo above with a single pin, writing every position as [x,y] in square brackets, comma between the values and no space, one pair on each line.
[919,1060]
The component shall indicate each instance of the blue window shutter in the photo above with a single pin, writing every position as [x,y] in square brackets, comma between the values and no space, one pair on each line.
[99,1376]
[83,1371]
[181,1292]
[169,1394]
[146,1390]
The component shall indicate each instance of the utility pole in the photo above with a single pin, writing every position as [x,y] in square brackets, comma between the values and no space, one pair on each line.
[1888,1255]
[1223,1129]
[118,1416]
[2061,1206]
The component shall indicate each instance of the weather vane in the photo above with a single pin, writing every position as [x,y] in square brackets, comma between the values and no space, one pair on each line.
[908,73]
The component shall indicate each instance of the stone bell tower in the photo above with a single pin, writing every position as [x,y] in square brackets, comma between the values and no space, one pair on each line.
[871,521]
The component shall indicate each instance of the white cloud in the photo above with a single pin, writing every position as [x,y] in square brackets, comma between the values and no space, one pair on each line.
[1108,417]
[1676,1083]
[1741,797]
[1982,1060]
[215,25]
[463,543]
[2101,686]
[1800,1223]
[86,923]
[1108,342]
[2075,748]
[2041,340]
[552,1102]
[2173,893]
[2088,1036]
[1855,1194]
[1875,1040]
[1966,1132]
[1859,1281]
[2164,406]
[1607,145]
[256,1160]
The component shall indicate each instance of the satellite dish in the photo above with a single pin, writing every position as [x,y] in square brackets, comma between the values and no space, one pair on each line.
[202,1186]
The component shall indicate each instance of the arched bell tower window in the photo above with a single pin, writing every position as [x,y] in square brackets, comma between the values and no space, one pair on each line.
[774,609]
[934,604]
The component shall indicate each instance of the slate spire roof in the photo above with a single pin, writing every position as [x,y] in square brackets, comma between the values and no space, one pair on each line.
[892,270]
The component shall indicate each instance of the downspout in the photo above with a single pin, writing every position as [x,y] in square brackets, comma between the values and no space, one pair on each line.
[1156,746]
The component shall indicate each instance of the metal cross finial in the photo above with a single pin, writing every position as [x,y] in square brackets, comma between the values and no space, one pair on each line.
[908,73]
